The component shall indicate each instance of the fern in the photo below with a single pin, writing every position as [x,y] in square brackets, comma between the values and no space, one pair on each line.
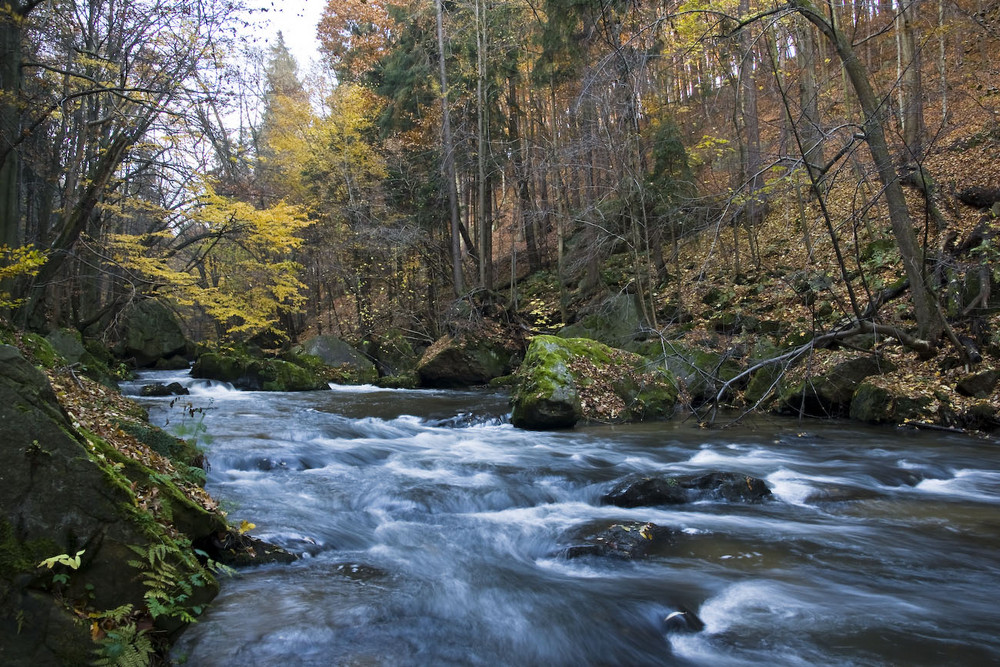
[168,587]
[124,647]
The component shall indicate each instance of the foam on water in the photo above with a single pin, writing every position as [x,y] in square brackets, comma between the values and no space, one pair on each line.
[967,484]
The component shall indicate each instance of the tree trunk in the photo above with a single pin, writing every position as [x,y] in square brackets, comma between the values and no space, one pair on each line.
[930,323]
[485,224]
[809,127]
[10,123]
[911,87]
[448,161]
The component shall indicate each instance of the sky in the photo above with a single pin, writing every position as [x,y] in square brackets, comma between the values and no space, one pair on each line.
[297,21]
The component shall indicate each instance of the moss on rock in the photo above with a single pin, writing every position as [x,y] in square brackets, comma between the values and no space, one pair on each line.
[566,380]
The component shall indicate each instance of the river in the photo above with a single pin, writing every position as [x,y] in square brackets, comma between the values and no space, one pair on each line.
[435,533]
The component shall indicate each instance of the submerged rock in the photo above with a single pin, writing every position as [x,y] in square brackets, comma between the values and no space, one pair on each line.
[626,540]
[566,380]
[723,486]
[683,620]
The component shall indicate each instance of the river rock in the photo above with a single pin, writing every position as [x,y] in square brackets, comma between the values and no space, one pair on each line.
[683,620]
[160,389]
[614,320]
[566,380]
[354,366]
[877,403]
[466,359]
[626,540]
[701,372]
[151,332]
[235,549]
[722,486]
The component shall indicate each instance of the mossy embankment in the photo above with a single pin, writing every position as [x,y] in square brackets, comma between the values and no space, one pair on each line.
[105,528]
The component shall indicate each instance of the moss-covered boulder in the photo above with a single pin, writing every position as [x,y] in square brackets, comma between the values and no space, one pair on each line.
[255,374]
[90,358]
[701,372]
[566,380]
[879,402]
[351,365]
[394,354]
[979,384]
[151,332]
[830,389]
[466,359]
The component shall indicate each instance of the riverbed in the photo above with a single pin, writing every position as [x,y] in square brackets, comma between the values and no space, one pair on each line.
[432,532]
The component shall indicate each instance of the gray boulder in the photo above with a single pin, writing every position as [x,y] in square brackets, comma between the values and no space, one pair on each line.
[62,494]
[465,360]
[336,353]
[151,332]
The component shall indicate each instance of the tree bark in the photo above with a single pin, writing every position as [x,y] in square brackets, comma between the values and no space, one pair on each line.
[448,161]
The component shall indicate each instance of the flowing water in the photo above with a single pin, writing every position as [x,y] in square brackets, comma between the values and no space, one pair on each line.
[434,533]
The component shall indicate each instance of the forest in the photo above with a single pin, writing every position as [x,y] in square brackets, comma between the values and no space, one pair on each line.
[808,171]
[701,212]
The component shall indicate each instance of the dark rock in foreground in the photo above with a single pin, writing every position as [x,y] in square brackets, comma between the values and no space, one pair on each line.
[723,486]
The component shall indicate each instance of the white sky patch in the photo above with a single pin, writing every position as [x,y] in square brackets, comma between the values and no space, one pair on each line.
[297,21]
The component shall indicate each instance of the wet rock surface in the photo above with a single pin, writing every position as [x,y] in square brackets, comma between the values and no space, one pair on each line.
[649,491]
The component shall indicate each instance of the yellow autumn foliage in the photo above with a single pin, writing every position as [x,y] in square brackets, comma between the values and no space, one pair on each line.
[230,259]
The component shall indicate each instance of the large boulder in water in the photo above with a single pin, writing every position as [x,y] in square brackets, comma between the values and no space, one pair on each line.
[151,332]
[645,491]
[352,366]
[466,359]
[566,380]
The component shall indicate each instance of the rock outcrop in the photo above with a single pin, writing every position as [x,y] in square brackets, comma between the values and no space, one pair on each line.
[67,495]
